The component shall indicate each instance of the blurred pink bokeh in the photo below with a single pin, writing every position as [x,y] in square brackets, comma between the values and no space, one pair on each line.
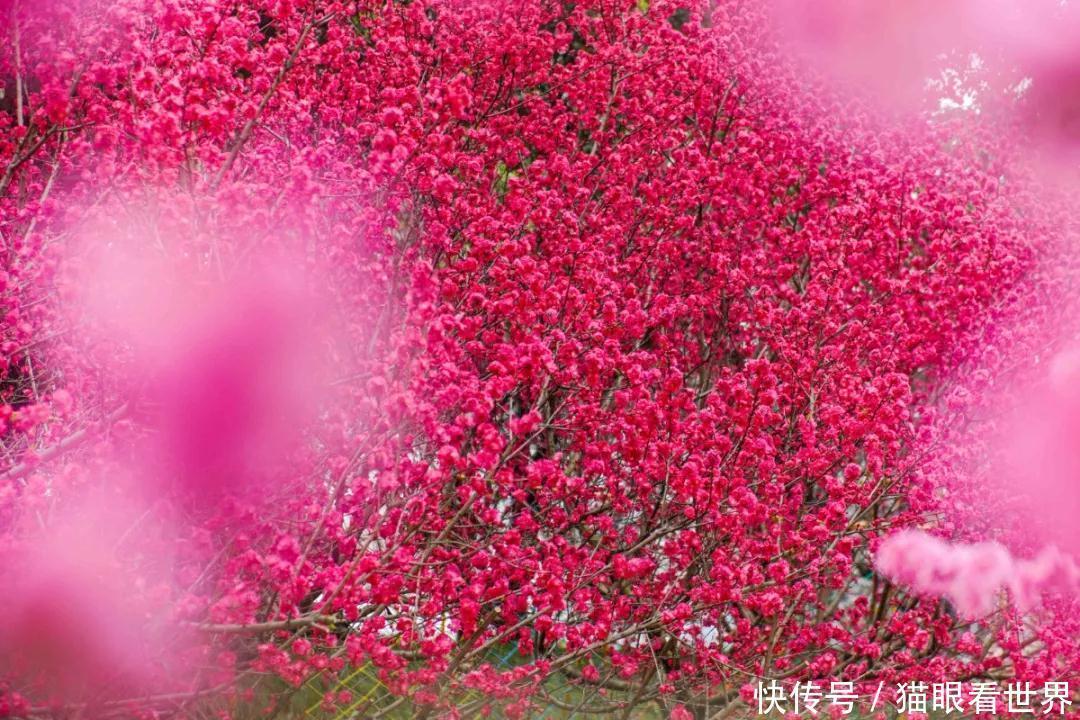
[892,49]
[85,606]
[224,372]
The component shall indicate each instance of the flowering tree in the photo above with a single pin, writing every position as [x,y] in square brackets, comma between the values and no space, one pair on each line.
[443,358]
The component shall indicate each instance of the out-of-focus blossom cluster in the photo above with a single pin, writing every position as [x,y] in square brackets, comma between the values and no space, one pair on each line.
[897,48]
[972,575]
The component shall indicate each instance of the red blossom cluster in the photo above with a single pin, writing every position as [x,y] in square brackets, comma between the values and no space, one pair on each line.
[443,358]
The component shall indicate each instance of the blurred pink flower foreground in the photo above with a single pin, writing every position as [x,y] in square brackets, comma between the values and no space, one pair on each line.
[971,575]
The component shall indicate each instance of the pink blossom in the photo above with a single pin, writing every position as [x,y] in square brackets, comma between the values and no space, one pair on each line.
[971,575]
[77,615]
[480,343]
[895,48]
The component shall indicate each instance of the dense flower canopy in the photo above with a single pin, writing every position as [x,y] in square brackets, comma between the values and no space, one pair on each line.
[431,357]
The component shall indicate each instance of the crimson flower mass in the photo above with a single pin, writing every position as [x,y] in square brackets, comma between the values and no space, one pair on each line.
[530,358]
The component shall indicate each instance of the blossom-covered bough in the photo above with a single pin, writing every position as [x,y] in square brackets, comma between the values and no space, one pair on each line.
[437,358]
